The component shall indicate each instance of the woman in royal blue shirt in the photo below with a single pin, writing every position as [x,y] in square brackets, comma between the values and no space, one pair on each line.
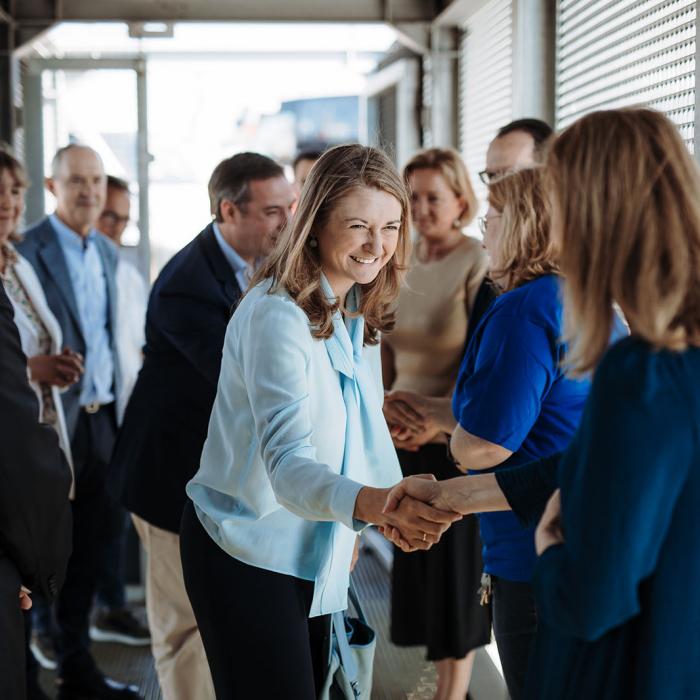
[513,402]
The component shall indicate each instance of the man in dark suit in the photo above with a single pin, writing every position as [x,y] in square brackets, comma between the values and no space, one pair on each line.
[76,267]
[35,515]
[166,420]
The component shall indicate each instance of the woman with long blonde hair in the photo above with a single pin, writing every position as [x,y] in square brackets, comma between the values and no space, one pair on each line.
[617,577]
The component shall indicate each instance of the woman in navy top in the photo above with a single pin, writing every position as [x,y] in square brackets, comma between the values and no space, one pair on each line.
[617,578]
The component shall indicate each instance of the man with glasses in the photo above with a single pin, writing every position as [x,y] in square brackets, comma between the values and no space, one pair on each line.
[113,620]
[517,145]
[117,210]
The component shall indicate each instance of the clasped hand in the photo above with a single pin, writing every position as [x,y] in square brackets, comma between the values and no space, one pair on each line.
[417,513]
[415,419]
[411,419]
[56,370]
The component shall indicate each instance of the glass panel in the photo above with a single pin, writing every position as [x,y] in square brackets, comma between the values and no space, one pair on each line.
[97,108]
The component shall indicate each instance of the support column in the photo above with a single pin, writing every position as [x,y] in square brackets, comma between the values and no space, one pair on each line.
[7,91]
[143,159]
[442,80]
[533,59]
[33,143]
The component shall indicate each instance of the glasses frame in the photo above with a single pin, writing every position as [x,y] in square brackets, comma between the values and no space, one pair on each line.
[483,222]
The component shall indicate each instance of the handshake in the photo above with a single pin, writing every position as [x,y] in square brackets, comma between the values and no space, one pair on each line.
[417,512]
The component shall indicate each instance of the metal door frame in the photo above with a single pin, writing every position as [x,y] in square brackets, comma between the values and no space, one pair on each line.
[34,135]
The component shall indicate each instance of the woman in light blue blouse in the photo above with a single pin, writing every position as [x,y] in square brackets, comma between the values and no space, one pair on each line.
[298,457]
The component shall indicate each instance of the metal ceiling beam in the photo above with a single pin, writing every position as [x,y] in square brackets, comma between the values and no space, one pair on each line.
[249,10]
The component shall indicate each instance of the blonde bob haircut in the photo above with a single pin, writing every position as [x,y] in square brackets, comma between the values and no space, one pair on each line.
[527,250]
[294,263]
[450,165]
[626,194]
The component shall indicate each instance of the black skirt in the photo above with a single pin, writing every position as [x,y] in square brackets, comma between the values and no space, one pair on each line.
[434,601]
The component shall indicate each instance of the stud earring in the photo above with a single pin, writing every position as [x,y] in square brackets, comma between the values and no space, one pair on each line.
[456,224]
[313,242]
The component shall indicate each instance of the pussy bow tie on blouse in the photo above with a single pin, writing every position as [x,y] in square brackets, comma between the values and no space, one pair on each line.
[369,456]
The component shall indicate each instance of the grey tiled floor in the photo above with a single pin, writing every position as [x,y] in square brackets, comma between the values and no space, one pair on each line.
[398,673]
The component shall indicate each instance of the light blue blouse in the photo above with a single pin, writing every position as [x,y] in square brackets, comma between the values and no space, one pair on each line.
[295,432]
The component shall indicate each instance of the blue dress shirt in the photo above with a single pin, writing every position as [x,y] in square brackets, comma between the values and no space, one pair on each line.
[87,276]
[296,431]
[242,270]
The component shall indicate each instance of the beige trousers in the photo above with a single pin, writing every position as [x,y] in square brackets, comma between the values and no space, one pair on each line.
[183,671]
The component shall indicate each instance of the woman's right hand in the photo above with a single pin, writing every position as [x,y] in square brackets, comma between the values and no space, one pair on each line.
[419,524]
[56,370]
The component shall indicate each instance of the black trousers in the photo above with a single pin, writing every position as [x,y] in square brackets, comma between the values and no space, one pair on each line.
[258,638]
[92,447]
[514,626]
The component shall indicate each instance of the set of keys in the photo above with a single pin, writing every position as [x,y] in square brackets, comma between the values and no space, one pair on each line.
[485,590]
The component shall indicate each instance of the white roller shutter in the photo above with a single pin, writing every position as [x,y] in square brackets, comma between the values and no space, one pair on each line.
[485,80]
[626,52]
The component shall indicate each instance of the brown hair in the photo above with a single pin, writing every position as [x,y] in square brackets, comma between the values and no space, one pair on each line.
[294,264]
[231,179]
[16,169]
[627,198]
[450,165]
[526,245]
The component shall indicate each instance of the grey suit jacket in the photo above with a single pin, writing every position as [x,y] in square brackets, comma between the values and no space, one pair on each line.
[41,247]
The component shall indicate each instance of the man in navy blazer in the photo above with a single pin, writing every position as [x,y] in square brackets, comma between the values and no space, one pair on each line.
[76,267]
[165,425]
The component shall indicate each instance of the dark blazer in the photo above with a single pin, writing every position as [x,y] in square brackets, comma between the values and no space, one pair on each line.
[166,420]
[40,245]
[35,513]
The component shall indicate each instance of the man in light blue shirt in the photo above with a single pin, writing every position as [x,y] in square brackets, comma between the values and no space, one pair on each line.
[76,267]
[88,281]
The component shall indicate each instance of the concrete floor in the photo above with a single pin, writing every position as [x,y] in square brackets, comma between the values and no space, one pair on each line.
[399,674]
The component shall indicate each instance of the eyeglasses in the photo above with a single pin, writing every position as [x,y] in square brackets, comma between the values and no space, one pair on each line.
[488,177]
[483,222]
[114,218]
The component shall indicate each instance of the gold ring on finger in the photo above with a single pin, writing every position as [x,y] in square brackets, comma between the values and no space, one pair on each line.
[425,535]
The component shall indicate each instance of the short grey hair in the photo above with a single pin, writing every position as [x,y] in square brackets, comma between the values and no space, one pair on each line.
[61,153]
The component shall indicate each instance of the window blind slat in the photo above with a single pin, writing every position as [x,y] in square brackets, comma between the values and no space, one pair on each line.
[626,52]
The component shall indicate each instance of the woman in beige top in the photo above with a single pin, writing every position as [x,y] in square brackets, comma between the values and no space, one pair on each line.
[434,593]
